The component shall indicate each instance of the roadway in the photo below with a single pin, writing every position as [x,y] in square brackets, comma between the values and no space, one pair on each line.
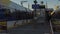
[34,28]
[37,28]
[28,29]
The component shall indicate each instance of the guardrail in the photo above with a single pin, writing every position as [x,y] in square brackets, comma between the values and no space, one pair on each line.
[51,28]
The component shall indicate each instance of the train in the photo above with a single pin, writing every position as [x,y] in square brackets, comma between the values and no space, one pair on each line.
[5,14]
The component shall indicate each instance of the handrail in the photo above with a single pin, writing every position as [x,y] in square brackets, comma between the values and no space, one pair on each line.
[52,32]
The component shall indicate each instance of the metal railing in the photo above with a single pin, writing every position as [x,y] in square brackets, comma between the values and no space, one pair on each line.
[51,27]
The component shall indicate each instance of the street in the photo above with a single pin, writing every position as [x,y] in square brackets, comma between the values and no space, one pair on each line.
[28,29]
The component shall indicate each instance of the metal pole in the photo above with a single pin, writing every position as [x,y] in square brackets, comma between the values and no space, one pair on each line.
[16,20]
[35,9]
[22,3]
[52,32]
[28,5]
[46,5]
[26,16]
[34,24]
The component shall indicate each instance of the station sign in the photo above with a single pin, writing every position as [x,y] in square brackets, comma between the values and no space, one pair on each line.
[37,6]
[42,7]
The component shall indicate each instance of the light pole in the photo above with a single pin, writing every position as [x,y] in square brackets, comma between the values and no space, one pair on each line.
[34,24]
[42,2]
[46,5]
[28,5]
[35,7]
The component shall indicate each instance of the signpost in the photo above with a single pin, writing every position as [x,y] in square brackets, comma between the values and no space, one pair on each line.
[36,6]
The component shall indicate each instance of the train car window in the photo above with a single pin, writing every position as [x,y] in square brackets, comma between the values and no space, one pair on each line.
[2,11]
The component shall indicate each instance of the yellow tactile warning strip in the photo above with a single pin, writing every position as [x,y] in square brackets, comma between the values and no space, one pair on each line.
[3,23]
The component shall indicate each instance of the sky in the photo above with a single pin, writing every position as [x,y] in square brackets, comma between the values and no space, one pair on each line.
[50,3]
